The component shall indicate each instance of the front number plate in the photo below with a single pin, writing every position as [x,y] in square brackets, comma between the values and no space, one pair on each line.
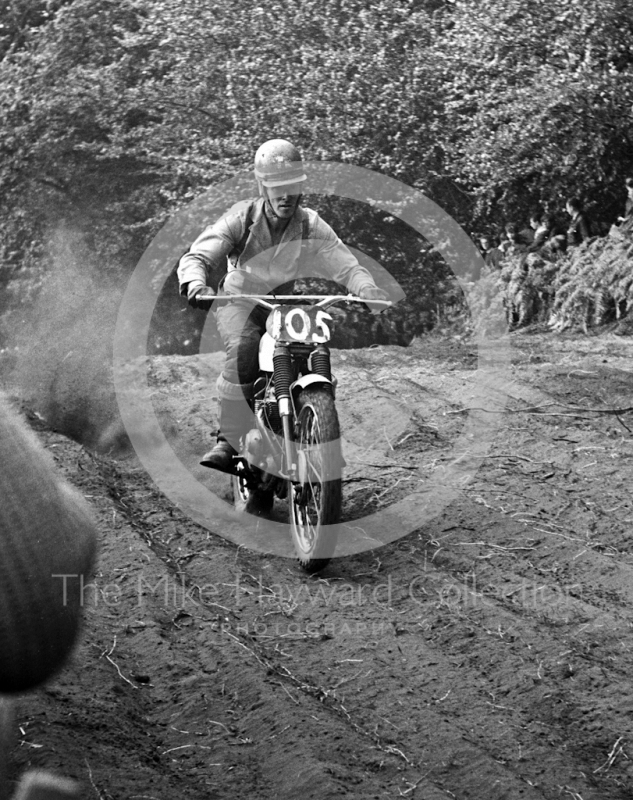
[299,324]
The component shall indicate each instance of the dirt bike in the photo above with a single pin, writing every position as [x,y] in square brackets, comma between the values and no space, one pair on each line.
[293,450]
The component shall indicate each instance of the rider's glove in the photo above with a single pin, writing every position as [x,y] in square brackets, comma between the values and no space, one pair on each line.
[201,302]
[372,293]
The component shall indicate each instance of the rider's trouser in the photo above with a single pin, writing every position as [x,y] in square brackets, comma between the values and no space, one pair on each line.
[241,326]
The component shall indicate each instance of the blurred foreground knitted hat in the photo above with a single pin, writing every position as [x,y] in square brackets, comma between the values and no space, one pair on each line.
[46,532]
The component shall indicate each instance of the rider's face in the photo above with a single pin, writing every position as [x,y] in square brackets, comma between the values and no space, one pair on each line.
[284,199]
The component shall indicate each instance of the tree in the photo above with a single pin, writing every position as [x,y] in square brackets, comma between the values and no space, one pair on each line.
[539,101]
[114,114]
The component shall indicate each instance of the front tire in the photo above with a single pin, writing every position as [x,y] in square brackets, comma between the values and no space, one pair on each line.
[314,504]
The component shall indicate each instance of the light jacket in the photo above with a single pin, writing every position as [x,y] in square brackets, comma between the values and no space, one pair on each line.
[308,248]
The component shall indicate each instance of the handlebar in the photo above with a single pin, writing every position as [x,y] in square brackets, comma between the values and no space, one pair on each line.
[324,300]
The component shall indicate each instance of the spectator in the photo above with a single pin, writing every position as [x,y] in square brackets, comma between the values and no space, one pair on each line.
[543,226]
[514,243]
[557,245]
[579,228]
[492,255]
[526,235]
[627,219]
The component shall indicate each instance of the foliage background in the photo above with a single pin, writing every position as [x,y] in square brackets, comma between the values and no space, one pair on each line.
[114,114]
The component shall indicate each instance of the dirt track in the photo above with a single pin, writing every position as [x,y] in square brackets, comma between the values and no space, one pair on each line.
[485,655]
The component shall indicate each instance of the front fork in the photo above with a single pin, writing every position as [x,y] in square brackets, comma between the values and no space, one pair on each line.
[283,377]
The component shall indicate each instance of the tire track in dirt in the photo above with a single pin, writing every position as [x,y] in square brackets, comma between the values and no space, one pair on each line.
[168,695]
[285,661]
[484,655]
[551,648]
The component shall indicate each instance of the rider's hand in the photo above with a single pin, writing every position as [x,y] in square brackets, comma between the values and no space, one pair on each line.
[372,293]
[204,302]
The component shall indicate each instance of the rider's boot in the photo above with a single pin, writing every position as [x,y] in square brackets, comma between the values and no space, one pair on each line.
[235,418]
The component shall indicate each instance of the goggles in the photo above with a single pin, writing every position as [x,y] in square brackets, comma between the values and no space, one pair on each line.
[285,189]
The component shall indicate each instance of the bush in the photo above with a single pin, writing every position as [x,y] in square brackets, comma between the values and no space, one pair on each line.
[590,286]
[594,285]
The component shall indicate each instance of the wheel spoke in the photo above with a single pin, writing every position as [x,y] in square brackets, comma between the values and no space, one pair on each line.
[309,510]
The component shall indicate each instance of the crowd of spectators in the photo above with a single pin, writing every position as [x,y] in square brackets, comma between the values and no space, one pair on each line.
[547,236]
[527,258]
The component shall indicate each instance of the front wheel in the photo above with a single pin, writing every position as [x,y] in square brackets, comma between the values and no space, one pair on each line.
[314,503]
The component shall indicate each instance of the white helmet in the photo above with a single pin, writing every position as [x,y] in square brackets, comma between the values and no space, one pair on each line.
[278,163]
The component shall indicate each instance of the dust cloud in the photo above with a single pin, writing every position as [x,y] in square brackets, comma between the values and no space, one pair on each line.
[64,345]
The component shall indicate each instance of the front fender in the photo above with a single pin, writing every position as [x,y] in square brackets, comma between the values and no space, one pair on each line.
[309,380]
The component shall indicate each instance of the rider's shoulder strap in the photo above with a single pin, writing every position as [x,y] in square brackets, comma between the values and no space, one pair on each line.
[305,225]
[248,221]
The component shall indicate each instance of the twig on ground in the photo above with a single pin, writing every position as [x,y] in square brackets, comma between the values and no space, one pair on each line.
[393,486]
[383,466]
[147,796]
[562,536]
[106,653]
[222,725]
[536,410]
[520,458]
[121,675]
[92,783]
[489,544]
[384,430]
[412,786]
[294,699]
[347,680]
[615,751]
[392,749]
[183,746]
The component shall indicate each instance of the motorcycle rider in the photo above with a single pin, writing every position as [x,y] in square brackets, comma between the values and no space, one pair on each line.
[266,243]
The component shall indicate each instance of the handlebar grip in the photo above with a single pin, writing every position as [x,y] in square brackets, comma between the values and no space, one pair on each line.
[46,532]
